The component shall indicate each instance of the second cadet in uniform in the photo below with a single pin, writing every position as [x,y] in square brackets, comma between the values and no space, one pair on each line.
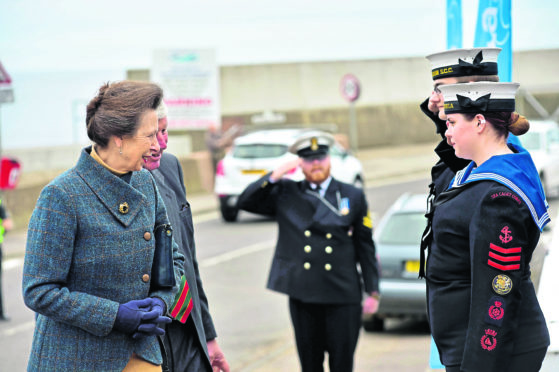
[325,230]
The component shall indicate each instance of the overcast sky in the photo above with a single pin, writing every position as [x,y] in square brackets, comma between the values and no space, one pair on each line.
[45,35]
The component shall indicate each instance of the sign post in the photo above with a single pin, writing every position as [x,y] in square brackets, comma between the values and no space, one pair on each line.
[350,90]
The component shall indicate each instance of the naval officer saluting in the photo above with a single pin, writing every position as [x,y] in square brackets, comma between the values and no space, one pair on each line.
[325,230]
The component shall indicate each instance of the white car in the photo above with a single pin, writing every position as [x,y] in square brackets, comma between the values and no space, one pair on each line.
[542,141]
[257,153]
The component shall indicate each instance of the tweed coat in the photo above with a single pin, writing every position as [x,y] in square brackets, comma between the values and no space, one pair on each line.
[84,257]
[169,179]
[319,243]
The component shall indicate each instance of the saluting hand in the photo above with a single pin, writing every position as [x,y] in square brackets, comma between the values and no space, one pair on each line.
[280,171]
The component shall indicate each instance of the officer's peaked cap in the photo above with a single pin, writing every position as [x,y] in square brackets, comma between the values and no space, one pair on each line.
[313,143]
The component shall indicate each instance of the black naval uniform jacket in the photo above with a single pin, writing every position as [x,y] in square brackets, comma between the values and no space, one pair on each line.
[441,174]
[319,242]
[481,302]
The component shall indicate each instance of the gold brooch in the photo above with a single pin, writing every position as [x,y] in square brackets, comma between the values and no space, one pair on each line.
[123,208]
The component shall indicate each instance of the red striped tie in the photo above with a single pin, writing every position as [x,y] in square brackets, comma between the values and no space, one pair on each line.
[182,306]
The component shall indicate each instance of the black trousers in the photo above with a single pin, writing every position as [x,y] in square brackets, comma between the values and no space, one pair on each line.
[525,362]
[184,352]
[325,328]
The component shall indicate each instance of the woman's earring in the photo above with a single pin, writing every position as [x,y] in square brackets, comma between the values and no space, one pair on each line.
[120,150]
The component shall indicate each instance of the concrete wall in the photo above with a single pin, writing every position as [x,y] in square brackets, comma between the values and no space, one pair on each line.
[391,89]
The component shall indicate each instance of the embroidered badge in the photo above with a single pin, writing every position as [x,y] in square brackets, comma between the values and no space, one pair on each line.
[314,144]
[508,195]
[489,340]
[495,311]
[344,206]
[367,221]
[123,208]
[506,260]
[507,236]
[502,284]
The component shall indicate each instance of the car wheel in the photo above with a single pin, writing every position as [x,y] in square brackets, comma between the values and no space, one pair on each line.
[374,324]
[358,182]
[228,212]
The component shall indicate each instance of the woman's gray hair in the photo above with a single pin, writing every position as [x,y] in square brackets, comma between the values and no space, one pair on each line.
[161,110]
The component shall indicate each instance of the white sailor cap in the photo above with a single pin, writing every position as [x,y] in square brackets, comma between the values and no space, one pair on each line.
[311,144]
[479,97]
[464,62]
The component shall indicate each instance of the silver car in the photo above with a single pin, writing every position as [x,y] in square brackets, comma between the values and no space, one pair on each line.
[397,239]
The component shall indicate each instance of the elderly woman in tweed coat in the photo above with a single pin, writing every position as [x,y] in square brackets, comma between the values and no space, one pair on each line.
[90,246]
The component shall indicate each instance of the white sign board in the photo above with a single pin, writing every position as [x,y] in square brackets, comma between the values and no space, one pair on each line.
[190,82]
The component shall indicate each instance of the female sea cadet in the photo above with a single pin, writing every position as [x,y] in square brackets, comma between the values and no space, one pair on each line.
[90,246]
[482,306]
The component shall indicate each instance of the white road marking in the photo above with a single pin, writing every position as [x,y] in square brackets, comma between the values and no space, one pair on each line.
[216,260]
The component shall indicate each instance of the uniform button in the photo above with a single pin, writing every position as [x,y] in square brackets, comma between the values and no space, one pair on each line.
[327,267]
[328,236]
[307,266]
[145,278]
[147,235]
[307,233]
[328,249]
[308,248]
[350,233]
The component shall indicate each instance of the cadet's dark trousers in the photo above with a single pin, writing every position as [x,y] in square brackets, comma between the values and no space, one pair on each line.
[525,362]
[321,328]
[184,352]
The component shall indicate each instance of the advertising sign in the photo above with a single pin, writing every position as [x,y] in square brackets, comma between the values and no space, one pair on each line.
[190,82]
[494,29]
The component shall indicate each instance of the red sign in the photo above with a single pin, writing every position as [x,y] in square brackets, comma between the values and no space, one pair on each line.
[350,88]
[10,170]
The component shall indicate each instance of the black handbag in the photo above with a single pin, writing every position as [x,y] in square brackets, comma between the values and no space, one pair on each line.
[163,270]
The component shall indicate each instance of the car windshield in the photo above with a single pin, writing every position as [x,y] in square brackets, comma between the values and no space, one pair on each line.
[531,141]
[254,151]
[403,229]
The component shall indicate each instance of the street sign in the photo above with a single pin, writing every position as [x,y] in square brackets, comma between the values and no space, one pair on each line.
[350,88]
[6,91]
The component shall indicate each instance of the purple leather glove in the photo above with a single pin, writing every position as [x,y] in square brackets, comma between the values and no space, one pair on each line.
[149,325]
[129,315]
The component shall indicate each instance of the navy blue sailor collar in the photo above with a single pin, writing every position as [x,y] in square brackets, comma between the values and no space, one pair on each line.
[515,171]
